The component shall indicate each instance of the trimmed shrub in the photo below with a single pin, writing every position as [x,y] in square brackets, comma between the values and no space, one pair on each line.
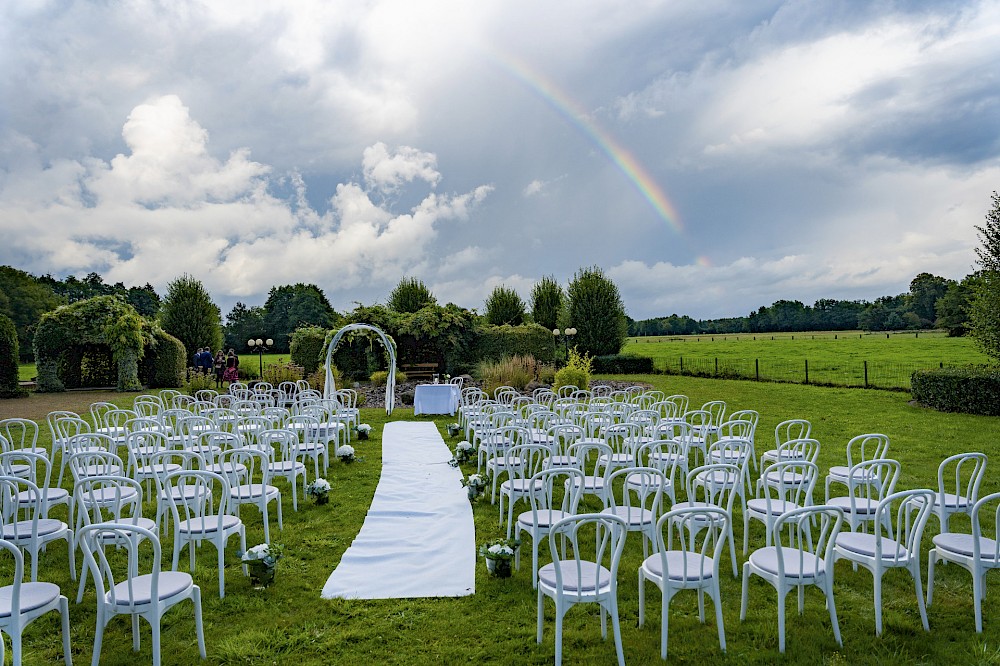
[623,364]
[970,389]
[504,307]
[596,311]
[546,302]
[576,372]
[9,388]
[410,295]
[165,362]
[380,377]
[307,347]
[498,342]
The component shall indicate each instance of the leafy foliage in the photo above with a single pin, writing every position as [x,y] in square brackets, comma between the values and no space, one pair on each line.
[307,347]
[25,299]
[596,312]
[515,371]
[984,313]
[9,387]
[410,295]
[189,315]
[244,323]
[547,302]
[165,362]
[576,372]
[970,389]
[504,307]
[623,364]
[494,343]
[291,306]
[952,309]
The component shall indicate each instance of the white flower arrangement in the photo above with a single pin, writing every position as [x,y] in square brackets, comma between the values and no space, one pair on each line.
[499,555]
[268,554]
[365,428]
[464,451]
[477,481]
[346,453]
[318,489]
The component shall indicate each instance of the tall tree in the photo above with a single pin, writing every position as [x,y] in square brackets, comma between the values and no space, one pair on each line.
[244,323]
[291,306]
[410,295]
[189,315]
[596,312]
[984,311]
[144,299]
[953,308]
[925,290]
[25,299]
[504,306]
[546,302]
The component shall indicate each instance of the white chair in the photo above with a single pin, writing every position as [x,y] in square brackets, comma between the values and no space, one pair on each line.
[547,508]
[793,450]
[959,478]
[595,483]
[664,455]
[285,461]
[249,491]
[859,449]
[868,483]
[624,439]
[22,603]
[163,463]
[786,431]
[521,462]
[974,552]
[206,518]
[497,444]
[65,427]
[35,463]
[897,547]
[792,489]
[801,556]
[694,565]
[21,435]
[641,496]
[569,579]
[307,428]
[147,595]
[717,485]
[22,524]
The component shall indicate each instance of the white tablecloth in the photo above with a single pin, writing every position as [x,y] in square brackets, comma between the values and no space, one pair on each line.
[435,399]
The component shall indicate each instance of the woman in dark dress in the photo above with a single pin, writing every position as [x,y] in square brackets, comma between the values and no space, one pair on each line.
[232,368]
[219,365]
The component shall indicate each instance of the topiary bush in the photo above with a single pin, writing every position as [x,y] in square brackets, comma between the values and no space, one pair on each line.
[623,364]
[307,347]
[9,387]
[498,342]
[969,389]
[166,361]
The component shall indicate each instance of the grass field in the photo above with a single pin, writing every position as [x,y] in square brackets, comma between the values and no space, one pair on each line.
[838,358]
[290,624]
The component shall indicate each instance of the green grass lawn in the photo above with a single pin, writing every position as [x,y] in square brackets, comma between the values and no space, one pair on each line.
[290,624]
[836,358]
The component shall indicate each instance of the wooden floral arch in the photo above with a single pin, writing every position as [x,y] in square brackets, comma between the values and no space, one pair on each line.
[390,385]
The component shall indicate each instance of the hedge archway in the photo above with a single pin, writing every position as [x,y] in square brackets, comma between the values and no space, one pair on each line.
[95,332]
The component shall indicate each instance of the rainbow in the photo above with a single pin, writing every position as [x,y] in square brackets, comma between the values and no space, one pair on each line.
[577,116]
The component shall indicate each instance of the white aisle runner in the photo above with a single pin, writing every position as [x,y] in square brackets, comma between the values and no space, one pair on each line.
[418,539]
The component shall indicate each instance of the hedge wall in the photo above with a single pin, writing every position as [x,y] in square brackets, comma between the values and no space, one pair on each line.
[496,342]
[306,347]
[623,364]
[164,365]
[971,390]
[9,387]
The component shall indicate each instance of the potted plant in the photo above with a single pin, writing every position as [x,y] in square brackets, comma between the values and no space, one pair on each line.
[464,451]
[499,555]
[454,429]
[261,562]
[364,430]
[319,490]
[475,485]
[346,453]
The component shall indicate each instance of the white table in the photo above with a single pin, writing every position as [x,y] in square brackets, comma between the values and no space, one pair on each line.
[435,399]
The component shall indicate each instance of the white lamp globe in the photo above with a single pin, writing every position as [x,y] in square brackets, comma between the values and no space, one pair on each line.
[250,343]
[260,343]
[555,331]
[269,342]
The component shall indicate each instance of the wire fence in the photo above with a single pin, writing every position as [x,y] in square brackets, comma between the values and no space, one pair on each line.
[861,374]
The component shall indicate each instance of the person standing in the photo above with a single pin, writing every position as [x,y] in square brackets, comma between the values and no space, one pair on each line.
[231,373]
[197,359]
[219,365]
[206,362]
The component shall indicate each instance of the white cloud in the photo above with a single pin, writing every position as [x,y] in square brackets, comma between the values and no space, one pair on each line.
[387,172]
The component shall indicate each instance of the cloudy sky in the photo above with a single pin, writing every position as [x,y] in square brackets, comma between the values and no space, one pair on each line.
[712,156]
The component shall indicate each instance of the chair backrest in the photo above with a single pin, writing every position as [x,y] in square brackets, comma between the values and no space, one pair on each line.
[982,506]
[124,589]
[731,450]
[799,449]
[867,447]
[115,499]
[553,490]
[872,481]
[700,536]
[792,481]
[681,401]
[641,488]
[307,428]
[94,463]
[206,395]
[253,460]
[583,450]
[276,416]
[97,412]
[804,532]
[717,408]
[737,429]
[663,454]
[562,436]
[210,490]
[752,416]
[791,429]
[698,419]
[144,424]
[35,467]
[719,486]
[961,475]
[182,401]
[147,405]
[525,460]
[19,433]
[575,540]
[284,444]
[22,505]
[624,437]
[66,427]
[906,524]
[142,444]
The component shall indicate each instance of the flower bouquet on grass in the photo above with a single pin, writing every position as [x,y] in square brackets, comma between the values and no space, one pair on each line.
[261,561]
[319,490]
[346,453]
[454,429]
[499,555]
[475,485]
[464,452]
[364,430]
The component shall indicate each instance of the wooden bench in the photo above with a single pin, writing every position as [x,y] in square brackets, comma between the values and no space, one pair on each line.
[419,371]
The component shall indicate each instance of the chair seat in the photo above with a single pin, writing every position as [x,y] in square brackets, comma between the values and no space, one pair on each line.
[145,523]
[635,516]
[787,478]
[100,470]
[618,459]
[521,486]
[563,461]
[545,518]
[952,501]
[840,472]
[33,595]
[207,524]
[644,479]
[716,478]
[864,544]
[787,454]
[862,505]
[590,484]
[252,491]
[798,564]
[681,566]
[170,584]
[51,495]
[588,577]
[22,529]
[285,466]
[184,493]
[661,458]
[228,469]
[963,544]
[105,495]
[778,507]
[161,470]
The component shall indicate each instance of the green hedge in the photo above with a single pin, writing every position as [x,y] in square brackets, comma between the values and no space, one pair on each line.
[165,363]
[493,343]
[9,388]
[623,364]
[306,347]
[971,389]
